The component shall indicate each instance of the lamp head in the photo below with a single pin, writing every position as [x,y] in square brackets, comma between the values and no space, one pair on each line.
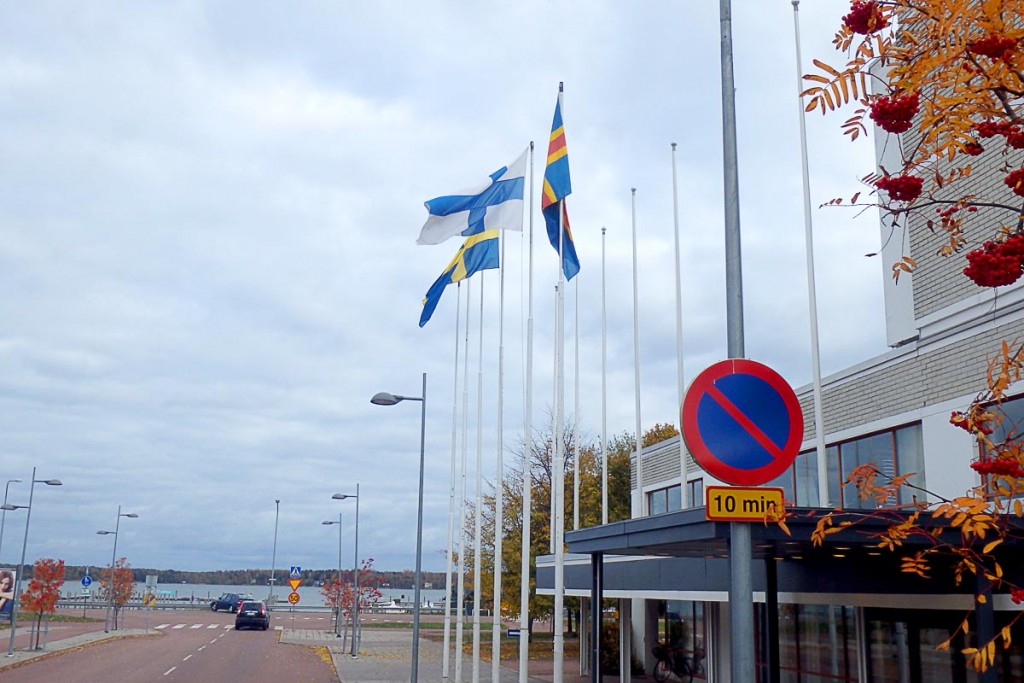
[14,481]
[11,506]
[327,523]
[106,533]
[385,399]
[52,482]
[130,514]
[342,496]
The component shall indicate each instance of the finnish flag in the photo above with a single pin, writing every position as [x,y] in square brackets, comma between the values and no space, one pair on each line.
[497,203]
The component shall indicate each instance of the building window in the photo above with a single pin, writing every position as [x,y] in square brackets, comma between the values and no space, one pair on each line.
[893,452]
[681,626]
[799,483]
[668,499]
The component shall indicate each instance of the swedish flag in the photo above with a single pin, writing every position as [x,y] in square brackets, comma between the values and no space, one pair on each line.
[478,252]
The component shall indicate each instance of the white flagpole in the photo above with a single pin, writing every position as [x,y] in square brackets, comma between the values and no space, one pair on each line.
[499,485]
[604,390]
[477,525]
[684,492]
[636,370]
[446,663]
[812,300]
[461,522]
[558,495]
[576,413]
[524,586]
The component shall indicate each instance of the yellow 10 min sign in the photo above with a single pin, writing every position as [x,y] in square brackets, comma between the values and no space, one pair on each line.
[741,503]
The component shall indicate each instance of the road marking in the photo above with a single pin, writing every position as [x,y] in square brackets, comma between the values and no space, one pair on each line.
[161,626]
[170,670]
[187,657]
[196,626]
[201,648]
[176,626]
[213,641]
[213,626]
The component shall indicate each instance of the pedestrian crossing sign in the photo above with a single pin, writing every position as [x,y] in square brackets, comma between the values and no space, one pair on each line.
[295,573]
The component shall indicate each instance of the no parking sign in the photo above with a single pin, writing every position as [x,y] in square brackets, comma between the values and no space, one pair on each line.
[742,422]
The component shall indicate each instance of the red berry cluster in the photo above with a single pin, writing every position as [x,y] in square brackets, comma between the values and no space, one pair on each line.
[865,17]
[994,46]
[1017,595]
[893,114]
[1015,181]
[997,263]
[1003,467]
[1012,132]
[901,188]
[967,424]
[973,149]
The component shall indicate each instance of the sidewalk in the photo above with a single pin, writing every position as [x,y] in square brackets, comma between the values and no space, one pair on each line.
[20,656]
[385,656]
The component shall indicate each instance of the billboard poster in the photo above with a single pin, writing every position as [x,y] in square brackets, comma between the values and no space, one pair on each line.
[7,584]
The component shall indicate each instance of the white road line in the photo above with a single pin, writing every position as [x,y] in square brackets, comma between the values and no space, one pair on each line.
[201,648]
[213,641]
[161,626]
[170,670]
[196,626]
[187,657]
[177,626]
[213,626]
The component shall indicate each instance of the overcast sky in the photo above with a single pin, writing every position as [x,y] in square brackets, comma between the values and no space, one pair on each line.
[208,217]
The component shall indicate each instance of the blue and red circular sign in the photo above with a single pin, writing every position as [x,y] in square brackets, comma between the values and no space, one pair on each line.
[742,422]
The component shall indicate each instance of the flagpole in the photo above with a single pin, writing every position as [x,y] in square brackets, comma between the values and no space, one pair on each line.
[524,586]
[604,388]
[684,491]
[499,486]
[478,519]
[460,620]
[812,299]
[576,412]
[446,663]
[636,370]
[558,506]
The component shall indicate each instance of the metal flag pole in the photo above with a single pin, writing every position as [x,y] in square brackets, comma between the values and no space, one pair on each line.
[446,655]
[460,620]
[524,586]
[478,516]
[636,371]
[684,492]
[604,387]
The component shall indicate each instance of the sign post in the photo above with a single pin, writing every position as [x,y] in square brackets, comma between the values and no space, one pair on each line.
[743,424]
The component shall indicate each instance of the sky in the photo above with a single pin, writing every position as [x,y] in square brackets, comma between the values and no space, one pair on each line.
[208,259]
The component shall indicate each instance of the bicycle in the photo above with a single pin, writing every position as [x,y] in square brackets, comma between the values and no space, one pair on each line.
[674,664]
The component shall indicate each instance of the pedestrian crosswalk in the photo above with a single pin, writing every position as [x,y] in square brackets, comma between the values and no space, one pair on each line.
[221,625]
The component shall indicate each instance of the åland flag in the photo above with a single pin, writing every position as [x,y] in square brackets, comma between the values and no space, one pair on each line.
[557,186]
[478,252]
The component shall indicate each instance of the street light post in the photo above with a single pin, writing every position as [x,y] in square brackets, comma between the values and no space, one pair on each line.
[385,399]
[113,561]
[337,619]
[24,546]
[355,575]
[3,517]
[273,556]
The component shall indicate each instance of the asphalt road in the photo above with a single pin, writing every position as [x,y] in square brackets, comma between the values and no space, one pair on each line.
[192,647]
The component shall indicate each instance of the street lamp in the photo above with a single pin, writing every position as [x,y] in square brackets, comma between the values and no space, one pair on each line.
[24,545]
[273,557]
[385,399]
[113,560]
[337,620]
[355,574]
[3,516]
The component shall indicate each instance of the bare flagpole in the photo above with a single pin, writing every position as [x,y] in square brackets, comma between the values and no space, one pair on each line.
[478,519]
[446,662]
[604,388]
[576,412]
[684,492]
[636,370]
[460,522]
[812,299]
[524,586]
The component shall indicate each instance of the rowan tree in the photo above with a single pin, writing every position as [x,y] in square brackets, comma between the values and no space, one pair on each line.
[946,85]
[123,586]
[43,592]
[338,593]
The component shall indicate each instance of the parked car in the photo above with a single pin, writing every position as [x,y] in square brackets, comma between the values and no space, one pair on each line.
[229,601]
[252,614]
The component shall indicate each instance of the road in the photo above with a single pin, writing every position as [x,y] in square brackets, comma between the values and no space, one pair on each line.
[186,646]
